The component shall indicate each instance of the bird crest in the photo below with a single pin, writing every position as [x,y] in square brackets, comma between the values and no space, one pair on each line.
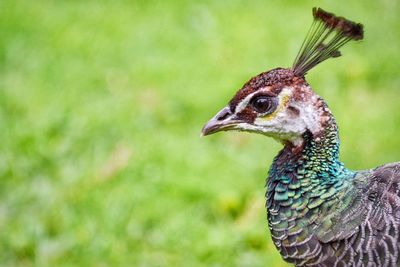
[327,34]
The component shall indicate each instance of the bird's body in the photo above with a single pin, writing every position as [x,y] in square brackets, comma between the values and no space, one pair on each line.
[322,214]
[319,212]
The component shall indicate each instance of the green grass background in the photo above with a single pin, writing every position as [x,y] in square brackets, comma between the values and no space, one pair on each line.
[101,106]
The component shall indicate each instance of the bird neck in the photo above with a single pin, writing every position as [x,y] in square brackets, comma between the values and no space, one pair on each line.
[301,179]
[316,159]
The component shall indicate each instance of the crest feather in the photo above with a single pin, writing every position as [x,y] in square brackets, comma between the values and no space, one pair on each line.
[327,34]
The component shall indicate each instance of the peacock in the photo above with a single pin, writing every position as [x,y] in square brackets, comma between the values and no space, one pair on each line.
[320,213]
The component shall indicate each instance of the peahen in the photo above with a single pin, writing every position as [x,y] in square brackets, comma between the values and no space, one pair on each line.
[319,212]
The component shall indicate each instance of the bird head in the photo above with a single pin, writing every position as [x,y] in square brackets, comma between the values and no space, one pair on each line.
[276,103]
[279,103]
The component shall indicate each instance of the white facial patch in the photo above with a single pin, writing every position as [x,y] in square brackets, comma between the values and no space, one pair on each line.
[245,101]
[284,124]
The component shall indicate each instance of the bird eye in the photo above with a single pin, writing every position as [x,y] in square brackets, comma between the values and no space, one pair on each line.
[264,104]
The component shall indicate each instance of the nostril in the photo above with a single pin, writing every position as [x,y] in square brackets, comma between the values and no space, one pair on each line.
[223,114]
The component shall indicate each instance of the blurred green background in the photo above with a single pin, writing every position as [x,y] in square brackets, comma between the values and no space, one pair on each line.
[101,106]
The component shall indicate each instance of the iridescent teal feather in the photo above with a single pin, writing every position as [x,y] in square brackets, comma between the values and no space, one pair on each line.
[323,214]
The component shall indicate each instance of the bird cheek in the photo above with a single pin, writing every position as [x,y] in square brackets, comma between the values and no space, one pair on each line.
[293,111]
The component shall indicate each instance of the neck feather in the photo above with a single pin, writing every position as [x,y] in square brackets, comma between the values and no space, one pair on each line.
[303,182]
[309,169]
[317,157]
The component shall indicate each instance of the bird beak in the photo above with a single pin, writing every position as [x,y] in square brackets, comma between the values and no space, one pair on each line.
[223,121]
